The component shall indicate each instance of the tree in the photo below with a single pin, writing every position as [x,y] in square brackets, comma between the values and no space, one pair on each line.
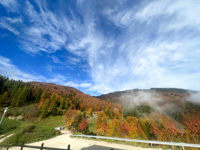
[4,99]
[45,109]
[145,127]
[38,94]
[61,106]
[83,126]
[89,111]
[113,128]
[70,117]
[124,129]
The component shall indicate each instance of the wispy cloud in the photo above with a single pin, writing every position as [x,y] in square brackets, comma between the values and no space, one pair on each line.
[11,5]
[8,69]
[76,85]
[126,45]
[147,53]
[56,59]
[8,23]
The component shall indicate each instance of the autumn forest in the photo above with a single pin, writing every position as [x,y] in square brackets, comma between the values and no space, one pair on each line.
[167,116]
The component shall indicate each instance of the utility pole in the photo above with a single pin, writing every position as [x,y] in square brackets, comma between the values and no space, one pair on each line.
[5,110]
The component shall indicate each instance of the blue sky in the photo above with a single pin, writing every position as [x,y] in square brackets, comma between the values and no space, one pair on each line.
[101,46]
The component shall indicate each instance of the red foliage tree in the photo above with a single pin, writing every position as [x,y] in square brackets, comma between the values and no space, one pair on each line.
[83,125]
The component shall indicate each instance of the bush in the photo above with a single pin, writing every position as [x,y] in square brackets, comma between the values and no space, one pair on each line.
[28,128]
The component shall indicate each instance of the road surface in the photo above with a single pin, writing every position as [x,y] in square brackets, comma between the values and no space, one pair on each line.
[63,140]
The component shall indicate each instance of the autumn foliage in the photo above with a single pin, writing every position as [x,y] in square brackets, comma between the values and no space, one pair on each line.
[83,125]
[110,119]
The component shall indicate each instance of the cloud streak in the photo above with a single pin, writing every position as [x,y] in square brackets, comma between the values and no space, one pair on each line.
[7,68]
[125,45]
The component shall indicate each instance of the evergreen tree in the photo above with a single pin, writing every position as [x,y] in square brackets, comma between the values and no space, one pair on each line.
[16,100]
[4,100]
[38,95]
[45,112]
[61,106]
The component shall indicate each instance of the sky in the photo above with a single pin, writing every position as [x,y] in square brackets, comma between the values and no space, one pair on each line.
[101,46]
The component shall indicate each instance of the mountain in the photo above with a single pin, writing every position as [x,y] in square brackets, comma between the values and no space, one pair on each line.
[49,99]
[164,114]
[175,105]
[63,90]
[164,93]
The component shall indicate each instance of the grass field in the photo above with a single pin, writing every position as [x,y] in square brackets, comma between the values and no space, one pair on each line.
[50,121]
[25,132]
[9,126]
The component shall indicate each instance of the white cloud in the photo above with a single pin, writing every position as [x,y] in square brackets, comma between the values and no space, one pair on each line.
[49,67]
[77,85]
[8,69]
[150,44]
[181,12]
[73,60]
[135,59]
[56,60]
[10,5]
[7,23]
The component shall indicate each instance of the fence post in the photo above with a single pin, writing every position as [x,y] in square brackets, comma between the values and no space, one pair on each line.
[7,147]
[42,146]
[172,145]
[183,147]
[68,147]
[22,146]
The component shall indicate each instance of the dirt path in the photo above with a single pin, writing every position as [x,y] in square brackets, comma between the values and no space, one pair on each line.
[2,139]
[63,140]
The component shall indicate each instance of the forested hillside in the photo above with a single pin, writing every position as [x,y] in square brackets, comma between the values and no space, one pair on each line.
[164,114]
[155,114]
[51,99]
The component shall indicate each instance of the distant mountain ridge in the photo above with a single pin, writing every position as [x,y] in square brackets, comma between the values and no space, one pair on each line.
[114,96]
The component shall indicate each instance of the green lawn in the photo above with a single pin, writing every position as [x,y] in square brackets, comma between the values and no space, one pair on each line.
[50,121]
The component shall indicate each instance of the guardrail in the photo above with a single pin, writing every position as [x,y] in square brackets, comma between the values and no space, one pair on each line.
[142,141]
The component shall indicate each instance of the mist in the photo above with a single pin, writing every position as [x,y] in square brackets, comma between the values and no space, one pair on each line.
[149,98]
[194,98]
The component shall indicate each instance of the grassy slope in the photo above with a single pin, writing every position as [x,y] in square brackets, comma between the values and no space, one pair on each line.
[50,121]
[25,132]
[9,126]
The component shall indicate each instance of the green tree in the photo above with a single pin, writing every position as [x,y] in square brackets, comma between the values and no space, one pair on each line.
[45,109]
[4,99]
